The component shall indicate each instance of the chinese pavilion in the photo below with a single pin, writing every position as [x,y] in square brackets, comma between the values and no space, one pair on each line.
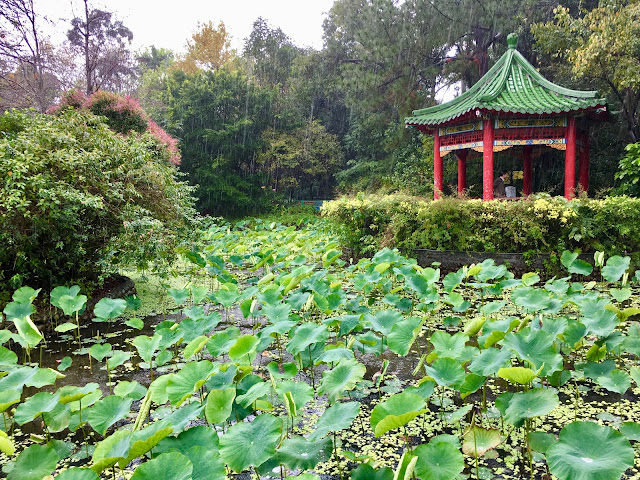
[512,105]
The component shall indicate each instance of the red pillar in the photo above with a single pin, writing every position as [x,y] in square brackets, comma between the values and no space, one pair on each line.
[462,170]
[487,160]
[527,171]
[583,175]
[437,166]
[570,160]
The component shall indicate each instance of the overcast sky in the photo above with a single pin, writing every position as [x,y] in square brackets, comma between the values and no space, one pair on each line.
[169,24]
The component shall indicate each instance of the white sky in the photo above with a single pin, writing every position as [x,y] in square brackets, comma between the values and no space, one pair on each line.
[169,24]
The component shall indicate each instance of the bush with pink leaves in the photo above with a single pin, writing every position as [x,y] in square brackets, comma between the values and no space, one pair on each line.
[123,114]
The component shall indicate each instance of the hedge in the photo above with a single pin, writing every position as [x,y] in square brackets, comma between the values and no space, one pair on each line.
[538,224]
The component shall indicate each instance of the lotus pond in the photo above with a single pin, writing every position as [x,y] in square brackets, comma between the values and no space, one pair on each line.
[280,359]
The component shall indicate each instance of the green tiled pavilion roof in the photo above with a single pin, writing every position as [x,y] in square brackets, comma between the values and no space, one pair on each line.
[512,85]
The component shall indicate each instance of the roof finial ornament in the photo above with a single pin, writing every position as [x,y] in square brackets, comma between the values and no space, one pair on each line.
[512,40]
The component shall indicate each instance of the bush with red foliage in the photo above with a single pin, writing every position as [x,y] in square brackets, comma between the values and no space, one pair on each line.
[123,114]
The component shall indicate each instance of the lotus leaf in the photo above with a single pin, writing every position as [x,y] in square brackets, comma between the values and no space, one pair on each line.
[298,453]
[247,444]
[477,441]
[171,465]
[587,451]
[446,372]
[108,411]
[335,418]
[34,462]
[395,412]
[439,461]
[342,378]
[534,403]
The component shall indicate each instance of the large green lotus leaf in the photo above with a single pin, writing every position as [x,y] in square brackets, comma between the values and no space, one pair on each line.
[534,403]
[87,399]
[198,293]
[207,464]
[587,451]
[219,405]
[179,295]
[111,450]
[186,382]
[536,347]
[171,465]
[99,351]
[147,346]
[108,308]
[278,312]
[403,334]
[471,383]
[43,377]
[25,294]
[367,472]
[59,292]
[344,377]
[395,412]
[335,418]
[132,390]
[16,310]
[531,299]
[477,441]
[298,453]
[594,370]
[71,304]
[615,268]
[489,361]
[195,346]
[27,330]
[34,462]
[631,430]
[58,418]
[521,375]
[107,412]
[256,391]
[334,355]
[77,473]
[118,358]
[8,398]
[301,392]
[450,346]
[617,381]
[446,372]
[201,435]
[244,348]
[384,320]
[247,444]
[306,335]
[143,441]
[181,417]
[601,323]
[540,441]
[440,461]
[35,406]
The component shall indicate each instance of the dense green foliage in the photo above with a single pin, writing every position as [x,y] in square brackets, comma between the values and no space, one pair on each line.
[284,361]
[540,224]
[77,198]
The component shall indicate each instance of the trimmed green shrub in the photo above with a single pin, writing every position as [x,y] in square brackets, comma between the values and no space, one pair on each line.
[541,224]
[76,199]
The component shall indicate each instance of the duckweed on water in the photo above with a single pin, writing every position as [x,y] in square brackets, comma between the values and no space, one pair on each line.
[276,358]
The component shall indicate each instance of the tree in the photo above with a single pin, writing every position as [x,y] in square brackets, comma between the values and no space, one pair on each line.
[25,77]
[219,116]
[209,49]
[601,46]
[301,163]
[102,41]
